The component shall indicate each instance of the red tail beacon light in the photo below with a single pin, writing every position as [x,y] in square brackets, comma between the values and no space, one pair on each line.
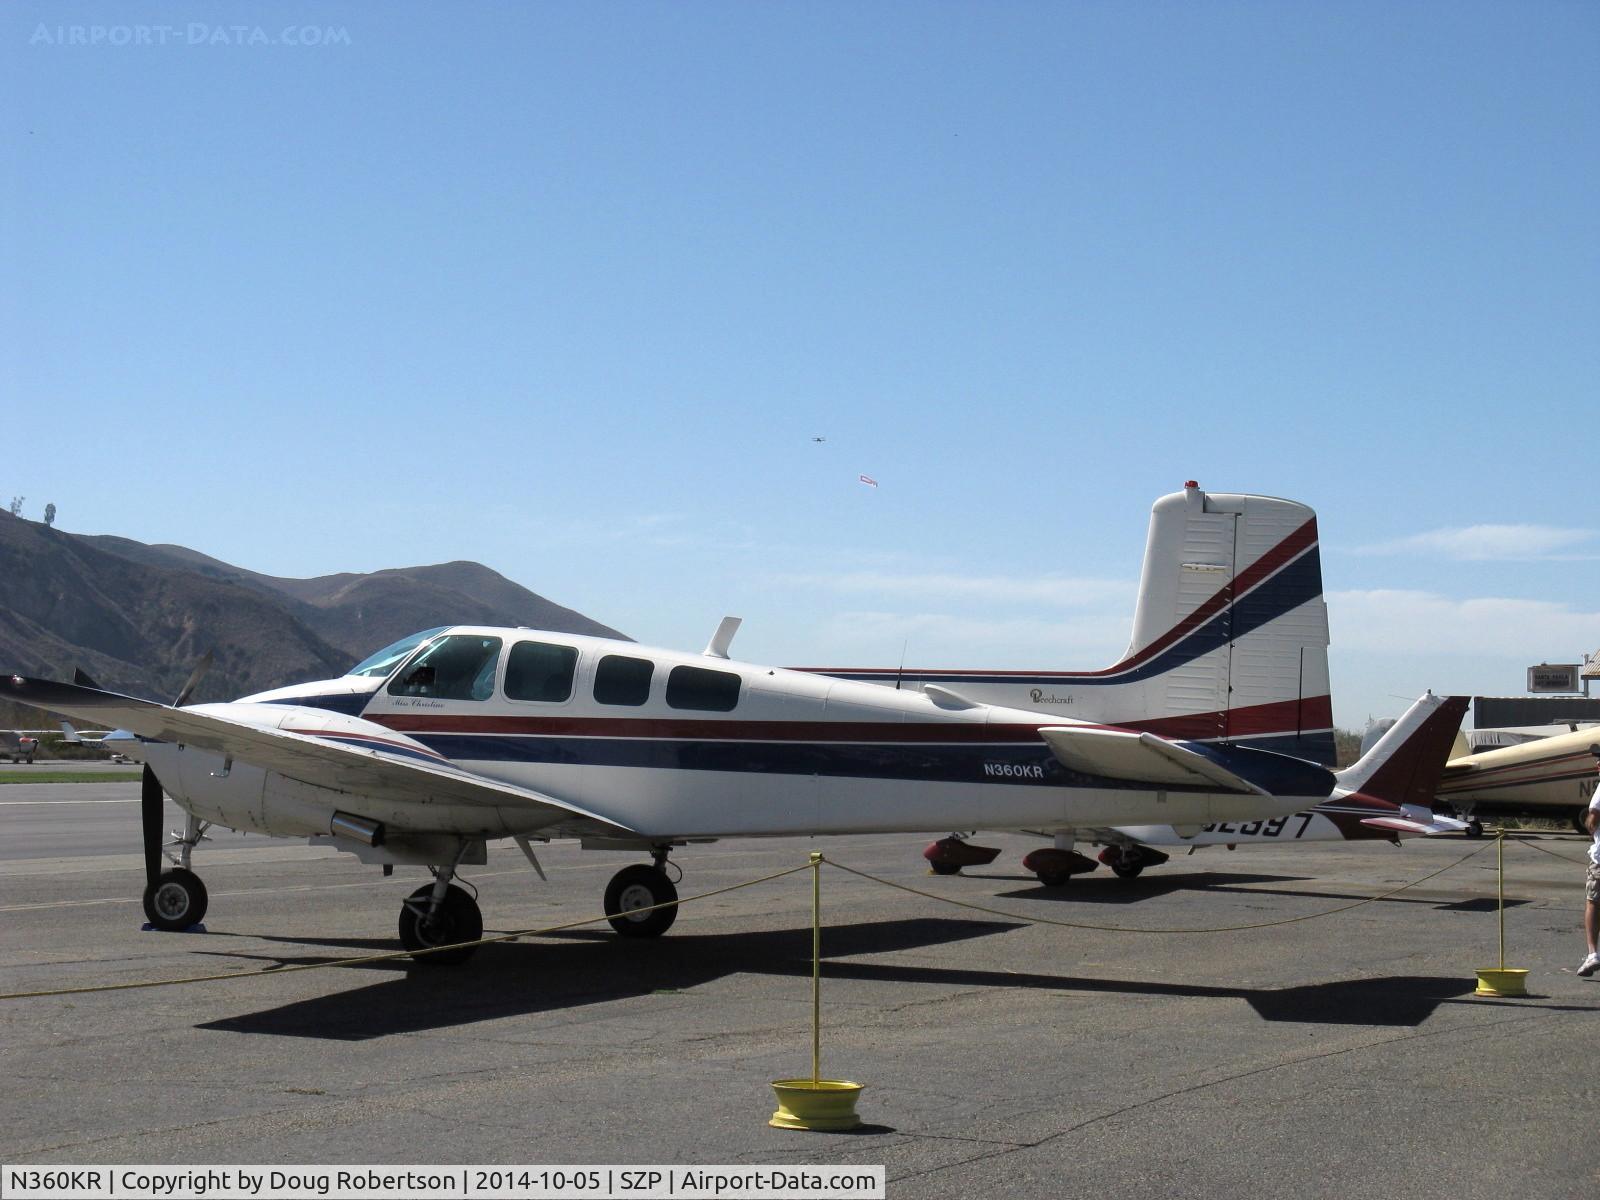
[1190,484]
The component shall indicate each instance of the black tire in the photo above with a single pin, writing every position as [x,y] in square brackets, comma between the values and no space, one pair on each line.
[1580,821]
[458,920]
[1055,878]
[176,900]
[1474,828]
[944,868]
[638,887]
[1124,869]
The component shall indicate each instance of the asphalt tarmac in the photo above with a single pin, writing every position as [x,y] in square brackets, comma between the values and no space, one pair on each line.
[1343,1055]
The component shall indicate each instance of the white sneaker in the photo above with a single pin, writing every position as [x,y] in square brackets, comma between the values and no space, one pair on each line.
[1590,965]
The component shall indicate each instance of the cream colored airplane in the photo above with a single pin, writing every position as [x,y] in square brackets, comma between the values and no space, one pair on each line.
[1551,777]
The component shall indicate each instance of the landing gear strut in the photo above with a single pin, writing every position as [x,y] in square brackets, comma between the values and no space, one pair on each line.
[441,914]
[176,899]
[635,889]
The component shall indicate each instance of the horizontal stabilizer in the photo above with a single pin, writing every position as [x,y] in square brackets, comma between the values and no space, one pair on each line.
[1402,825]
[1140,757]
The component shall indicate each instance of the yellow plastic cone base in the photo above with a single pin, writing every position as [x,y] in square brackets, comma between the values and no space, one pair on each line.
[1502,981]
[826,1104]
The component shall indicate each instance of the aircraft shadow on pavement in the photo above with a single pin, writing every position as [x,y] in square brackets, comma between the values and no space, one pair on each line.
[583,968]
[1134,891]
[1098,890]
[575,969]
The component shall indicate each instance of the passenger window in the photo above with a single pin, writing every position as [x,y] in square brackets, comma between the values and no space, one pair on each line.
[696,687]
[623,680]
[458,667]
[540,671]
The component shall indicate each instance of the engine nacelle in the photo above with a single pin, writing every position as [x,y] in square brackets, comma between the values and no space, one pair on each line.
[240,796]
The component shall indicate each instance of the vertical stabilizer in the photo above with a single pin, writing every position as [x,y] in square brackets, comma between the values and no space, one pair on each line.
[1230,636]
[1405,765]
[1230,604]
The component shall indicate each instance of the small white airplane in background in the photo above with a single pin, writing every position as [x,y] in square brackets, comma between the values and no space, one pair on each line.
[116,743]
[18,745]
[442,742]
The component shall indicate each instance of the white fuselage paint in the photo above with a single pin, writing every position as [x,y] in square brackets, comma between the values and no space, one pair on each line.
[879,761]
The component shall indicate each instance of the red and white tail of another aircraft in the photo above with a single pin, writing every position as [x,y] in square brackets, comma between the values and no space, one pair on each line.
[1229,645]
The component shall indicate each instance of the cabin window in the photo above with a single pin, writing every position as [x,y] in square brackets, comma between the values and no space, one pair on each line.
[620,679]
[697,687]
[540,671]
[457,667]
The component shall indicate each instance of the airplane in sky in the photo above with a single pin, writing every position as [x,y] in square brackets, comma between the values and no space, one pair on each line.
[1229,644]
[438,744]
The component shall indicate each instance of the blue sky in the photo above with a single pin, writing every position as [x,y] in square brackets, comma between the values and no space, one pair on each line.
[569,289]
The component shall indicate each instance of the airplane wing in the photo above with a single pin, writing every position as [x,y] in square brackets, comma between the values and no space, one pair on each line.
[397,773]
[1124,754]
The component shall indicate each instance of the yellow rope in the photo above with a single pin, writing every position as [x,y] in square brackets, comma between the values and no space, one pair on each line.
[1582,862]
[1127,929]
[390,955]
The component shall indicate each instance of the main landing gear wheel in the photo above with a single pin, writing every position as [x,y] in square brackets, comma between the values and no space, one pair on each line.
[176,900]
[1127,868]
[639,887]
[944,868]
[458,919]
[1475,828]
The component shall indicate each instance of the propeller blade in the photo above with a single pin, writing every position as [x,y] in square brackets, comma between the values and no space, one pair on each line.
[195,676]
[151,812]
[81,678]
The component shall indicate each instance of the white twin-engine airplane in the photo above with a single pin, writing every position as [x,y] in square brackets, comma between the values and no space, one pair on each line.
[460,735]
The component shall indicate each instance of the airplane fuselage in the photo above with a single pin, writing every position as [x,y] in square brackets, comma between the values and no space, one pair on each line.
[677,745]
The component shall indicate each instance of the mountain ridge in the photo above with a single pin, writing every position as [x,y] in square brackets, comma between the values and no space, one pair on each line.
[137,616]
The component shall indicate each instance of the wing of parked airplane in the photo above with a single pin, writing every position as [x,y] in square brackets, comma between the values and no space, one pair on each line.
[318,752]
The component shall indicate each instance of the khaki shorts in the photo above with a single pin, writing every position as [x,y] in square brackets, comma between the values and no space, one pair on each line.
[1591,884]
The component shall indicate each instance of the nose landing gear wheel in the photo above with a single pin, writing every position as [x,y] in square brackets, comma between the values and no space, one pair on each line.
[458,920]
[639,887]
[176,900]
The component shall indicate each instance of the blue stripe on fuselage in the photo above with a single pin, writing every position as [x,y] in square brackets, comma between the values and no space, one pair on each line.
[351,704]
[1024,764]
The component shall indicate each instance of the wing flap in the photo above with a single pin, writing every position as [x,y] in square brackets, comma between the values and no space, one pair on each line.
[1140,757]
[398,774]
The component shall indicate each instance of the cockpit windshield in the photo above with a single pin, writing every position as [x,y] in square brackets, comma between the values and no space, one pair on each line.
[379,665]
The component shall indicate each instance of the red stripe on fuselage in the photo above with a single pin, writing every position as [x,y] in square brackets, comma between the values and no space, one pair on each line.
[1312,714]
